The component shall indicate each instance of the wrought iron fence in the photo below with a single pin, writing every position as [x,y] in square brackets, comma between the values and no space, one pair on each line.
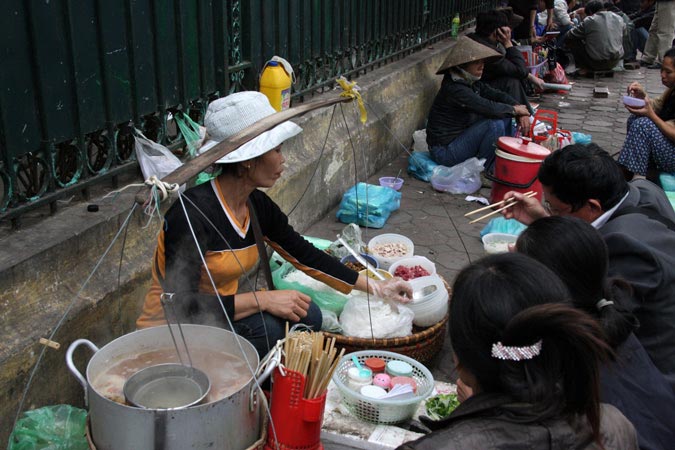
[80,75]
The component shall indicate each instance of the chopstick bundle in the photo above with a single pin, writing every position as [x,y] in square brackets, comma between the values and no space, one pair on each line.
[506,204]
[309,354]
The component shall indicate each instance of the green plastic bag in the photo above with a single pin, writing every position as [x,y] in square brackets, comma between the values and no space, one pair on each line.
[190,131]
[57,427]
[325,298]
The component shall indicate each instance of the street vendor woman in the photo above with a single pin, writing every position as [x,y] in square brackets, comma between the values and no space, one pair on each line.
[219,232]
[467,115]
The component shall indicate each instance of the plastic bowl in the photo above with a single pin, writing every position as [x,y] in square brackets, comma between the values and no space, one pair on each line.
[391,182]
[432,308]
[390,238]
[412,262]
[633,101]
[351,259]
[382,272]
[498,242]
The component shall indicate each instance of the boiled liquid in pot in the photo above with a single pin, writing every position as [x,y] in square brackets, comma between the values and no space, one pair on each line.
[227,373]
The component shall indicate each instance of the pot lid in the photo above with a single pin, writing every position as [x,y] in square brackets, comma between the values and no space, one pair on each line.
[522,147]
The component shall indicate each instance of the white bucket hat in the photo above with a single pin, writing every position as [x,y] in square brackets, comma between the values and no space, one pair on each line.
[229,115]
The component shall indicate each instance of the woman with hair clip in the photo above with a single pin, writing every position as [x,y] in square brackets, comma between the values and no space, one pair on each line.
[531,361]
[575,251]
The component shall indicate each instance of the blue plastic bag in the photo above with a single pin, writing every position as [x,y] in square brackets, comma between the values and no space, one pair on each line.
[502,225]
[581,138]
[371,210]
[420,165]
[667,181]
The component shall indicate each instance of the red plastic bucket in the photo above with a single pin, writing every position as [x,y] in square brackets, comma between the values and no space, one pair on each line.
[297,421]
[517,162]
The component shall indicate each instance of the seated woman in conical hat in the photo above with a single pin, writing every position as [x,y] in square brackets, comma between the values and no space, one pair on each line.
[467,116]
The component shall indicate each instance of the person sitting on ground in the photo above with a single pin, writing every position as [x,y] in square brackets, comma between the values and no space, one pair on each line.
[467,115]
[509,73]
[575,252]
[637,223]
[597,42]
[207,242]
[528,362]
[650,140]
[642,20]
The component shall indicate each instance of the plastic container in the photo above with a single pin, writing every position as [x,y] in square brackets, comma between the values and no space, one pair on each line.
[517,162]
[413,261]
[433,308]
[390,238]
[633,101]
[356,380]
[382,380]
[404,380]
[275,83]
[297,421]
[351,259]
[396,368]
[383,411]
[391,182]
[494,243]
[376,365]
[373,391]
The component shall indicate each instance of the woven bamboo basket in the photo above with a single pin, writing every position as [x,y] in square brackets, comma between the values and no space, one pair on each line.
[422,345]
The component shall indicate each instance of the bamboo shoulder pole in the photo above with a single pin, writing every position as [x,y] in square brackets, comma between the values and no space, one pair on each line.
[194,166]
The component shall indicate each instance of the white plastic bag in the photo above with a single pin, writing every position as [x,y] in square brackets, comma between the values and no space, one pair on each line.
[387,323]
[154,158]
[463,178]
[420,141]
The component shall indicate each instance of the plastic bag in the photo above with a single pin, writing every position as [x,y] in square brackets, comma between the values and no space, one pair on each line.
[420,141]
[463,178]
[387,323]
[581,138]
[502,225]
[556,75]
[667,181]
[325,297]
[420,165]
[192,132]
[329,322]
[57,427]
[351,234]
[154,158]
[368,205]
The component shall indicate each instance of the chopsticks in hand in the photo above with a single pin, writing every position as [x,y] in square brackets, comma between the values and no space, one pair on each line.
[506,204]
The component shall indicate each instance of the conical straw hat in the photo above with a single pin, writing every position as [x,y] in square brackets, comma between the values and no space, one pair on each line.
[467,50]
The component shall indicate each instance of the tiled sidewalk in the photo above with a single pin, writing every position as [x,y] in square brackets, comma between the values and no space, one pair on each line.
[435,221]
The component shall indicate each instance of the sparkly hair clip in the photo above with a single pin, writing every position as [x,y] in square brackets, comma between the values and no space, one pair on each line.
[602,303]
[515,353]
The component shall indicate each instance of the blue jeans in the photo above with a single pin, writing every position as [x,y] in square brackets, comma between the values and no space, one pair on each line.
[478,140]
[252,328]
[639,37]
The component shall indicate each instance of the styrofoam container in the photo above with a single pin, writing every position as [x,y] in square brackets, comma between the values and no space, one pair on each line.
[412,262]
[431,309]
[633,101]
[494,243]
[390,238]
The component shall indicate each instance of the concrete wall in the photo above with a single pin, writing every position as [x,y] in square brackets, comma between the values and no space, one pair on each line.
[42,268]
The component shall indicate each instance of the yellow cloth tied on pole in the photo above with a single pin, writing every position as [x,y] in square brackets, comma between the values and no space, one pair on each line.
[352,90]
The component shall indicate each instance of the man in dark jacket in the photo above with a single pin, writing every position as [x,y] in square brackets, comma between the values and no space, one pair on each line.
[508,73]
[637,223]
[528,9]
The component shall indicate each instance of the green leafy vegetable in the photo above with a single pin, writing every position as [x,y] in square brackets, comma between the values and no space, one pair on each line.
[440,406]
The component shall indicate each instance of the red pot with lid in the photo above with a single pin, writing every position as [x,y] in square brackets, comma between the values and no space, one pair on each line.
[517,162]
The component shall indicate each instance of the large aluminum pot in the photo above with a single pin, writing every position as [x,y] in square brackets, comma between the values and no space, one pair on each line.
[231,423]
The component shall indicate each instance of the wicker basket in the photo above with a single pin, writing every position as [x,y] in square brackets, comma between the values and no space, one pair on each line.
[422,345]
[382,411]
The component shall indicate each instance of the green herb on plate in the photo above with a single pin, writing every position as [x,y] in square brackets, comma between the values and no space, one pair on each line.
[440,406]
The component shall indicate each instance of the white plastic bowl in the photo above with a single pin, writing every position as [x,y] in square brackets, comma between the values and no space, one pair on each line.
[498,242]
[431,309]
[390,238]
[633,101]
[412,262]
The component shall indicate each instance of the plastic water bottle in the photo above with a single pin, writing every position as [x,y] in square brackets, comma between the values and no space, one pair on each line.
[454,30]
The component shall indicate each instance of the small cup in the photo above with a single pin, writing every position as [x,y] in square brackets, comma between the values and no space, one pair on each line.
[399,369]
[375,364]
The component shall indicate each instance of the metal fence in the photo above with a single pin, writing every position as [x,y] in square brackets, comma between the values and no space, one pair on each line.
[80,75]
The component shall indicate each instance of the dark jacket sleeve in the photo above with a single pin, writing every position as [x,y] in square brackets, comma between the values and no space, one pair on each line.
[490,103]
[512,65]
[183,265]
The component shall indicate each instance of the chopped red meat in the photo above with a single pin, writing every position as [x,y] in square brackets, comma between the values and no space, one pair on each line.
[408,273]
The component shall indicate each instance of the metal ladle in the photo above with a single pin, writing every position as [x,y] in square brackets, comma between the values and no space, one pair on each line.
[424,292]
[360,259]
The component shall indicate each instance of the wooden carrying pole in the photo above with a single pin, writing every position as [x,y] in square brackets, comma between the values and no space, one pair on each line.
[194,166]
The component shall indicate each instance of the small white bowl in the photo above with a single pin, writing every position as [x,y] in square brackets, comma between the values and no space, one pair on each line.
[494,243]
[386,261]
[633,102]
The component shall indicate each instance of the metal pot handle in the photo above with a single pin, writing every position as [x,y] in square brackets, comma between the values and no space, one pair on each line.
[270,364]
[73,369]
